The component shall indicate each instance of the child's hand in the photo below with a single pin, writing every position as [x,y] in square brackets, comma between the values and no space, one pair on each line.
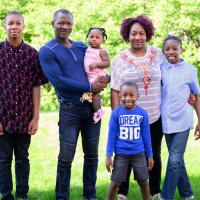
[191,99]
[92,66]
[197,132]
[150,163]
[109,163]
[1,129]
[33,127]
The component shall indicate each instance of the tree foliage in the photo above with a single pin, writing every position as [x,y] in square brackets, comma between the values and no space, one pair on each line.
[180,17]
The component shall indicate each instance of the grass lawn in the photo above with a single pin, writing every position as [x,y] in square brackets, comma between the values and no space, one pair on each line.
[43,158]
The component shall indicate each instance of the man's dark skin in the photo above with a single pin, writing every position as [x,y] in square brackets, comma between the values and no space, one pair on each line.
[63,24]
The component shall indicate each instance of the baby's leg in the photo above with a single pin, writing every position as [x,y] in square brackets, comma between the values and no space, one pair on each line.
[98,113]
[144,187]
[112,189]
[95,102]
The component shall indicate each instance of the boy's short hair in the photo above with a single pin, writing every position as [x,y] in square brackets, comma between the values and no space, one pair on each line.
[172,37]
[13,13]
[131,84]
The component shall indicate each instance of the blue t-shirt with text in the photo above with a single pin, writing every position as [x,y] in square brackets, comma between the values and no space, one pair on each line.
[129,132]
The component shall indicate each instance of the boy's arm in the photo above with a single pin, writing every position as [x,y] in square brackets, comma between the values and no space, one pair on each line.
[105,61]
[112,135]
[109,163]
[1,129]
[146,135]
[150,163]
[33,125]
[197,109]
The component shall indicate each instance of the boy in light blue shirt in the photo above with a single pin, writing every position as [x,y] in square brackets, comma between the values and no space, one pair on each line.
[179,79]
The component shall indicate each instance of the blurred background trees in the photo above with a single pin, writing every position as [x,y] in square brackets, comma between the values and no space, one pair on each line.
[180,17]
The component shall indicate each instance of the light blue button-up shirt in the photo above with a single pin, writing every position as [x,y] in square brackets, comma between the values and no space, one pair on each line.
[178,81]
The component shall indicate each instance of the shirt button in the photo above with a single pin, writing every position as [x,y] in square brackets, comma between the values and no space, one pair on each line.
[15,65]
[16,102]
[16,90]
[16,114]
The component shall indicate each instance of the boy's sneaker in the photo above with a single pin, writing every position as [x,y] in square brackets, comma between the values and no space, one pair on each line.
[98,115]
[121,197]
[156,197]
[188,198]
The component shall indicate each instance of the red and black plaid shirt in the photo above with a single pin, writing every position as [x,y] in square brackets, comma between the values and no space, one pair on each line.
[19,73]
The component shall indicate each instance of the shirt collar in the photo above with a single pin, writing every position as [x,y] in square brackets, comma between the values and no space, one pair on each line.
[181,61]
[8,45]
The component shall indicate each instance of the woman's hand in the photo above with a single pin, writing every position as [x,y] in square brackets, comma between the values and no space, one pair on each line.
[197,132]
[191,99]
[150,163]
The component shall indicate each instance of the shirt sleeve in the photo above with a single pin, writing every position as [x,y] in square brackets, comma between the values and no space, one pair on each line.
[37,75]
[115,76]
[161,58]
[112,134]
[194,84]
[55,75]
[146,136]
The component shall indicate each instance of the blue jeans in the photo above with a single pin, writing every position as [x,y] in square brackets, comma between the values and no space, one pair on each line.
[72,120]
[19,143]
[176,174]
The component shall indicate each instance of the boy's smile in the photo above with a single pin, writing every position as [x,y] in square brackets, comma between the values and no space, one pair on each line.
[128,96]
[172,50]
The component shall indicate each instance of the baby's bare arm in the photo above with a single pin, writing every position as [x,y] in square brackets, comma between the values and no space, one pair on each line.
[105,61]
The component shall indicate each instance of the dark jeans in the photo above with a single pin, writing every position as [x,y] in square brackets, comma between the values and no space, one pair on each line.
[74,119]
[19,144]
[155,173]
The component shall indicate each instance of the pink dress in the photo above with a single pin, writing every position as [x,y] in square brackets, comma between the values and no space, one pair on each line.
[91,56]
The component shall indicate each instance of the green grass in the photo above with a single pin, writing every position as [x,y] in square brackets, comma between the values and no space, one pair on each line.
[43,159]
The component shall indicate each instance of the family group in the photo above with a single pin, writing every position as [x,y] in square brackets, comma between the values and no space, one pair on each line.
[153,93]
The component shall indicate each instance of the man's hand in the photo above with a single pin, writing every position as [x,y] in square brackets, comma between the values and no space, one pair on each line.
[105,79]
[150,163]
[1,129]
[197,132]
[98,84]
[33,127]
[109,163]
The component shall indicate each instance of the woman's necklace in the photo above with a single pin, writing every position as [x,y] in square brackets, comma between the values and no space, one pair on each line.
[144,67]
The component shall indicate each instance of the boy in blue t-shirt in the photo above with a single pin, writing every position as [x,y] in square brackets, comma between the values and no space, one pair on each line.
[129,138]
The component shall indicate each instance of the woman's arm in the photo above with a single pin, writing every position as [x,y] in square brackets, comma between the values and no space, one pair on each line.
[115,101]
